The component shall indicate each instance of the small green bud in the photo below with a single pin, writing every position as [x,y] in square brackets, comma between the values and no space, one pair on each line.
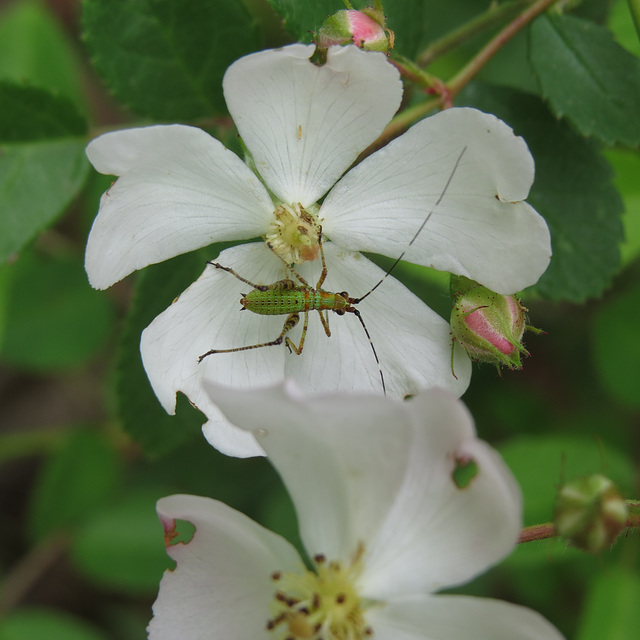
[590,513]
[488,325]
[363,28]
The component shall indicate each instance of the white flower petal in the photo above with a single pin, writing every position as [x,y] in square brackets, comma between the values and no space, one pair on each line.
[437,534]
[480,229]
[179,189]
[371,470]
[341,456]
[306,124]
[413,342]
[208,316]
[221,587]
[456,618]
[227,438]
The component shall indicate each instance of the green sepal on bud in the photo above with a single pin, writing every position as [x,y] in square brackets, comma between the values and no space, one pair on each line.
[590,513]
[366,29]
[488,325]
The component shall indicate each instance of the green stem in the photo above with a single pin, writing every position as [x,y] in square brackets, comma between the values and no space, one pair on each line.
[400,124]
[537,532]
[413,72]
[449,90]
[27,572]
[493,46]
[494,16]
[547,530]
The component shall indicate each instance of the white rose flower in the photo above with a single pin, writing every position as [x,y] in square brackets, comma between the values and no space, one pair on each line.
[304,125]
[383,518]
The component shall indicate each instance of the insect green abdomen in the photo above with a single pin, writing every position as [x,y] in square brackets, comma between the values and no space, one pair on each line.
[274,302]
[277,301]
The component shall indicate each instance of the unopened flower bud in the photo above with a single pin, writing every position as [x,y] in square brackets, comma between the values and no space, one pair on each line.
[363,28]
[488,325]
[590,513]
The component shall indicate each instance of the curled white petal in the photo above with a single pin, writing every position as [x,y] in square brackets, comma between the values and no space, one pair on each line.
[377,472]
[423,617]
[480,228]
[178,189]
[452,533]
[305,124]
[221,586]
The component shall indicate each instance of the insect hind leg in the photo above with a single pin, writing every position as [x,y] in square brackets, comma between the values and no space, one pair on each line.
[289,342]
[291,321]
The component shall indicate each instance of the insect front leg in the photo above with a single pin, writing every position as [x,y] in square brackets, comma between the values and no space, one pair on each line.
[291,321]
[325,322]
[260,287]
[323,273]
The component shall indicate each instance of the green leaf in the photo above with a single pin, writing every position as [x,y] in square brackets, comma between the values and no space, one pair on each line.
[42,162]
[122,547]
[621,22]
[142,415]
[510,66]
[617,348]
[587,77]
[611,611]
[30,114]
[302,19]
[626,165]
[74,483]
[165,59]
[541,463]
[573,190]
[42,624]
[35,49]
[54,319]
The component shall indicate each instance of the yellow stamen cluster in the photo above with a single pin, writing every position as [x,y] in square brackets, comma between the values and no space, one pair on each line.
[294,233]
[319,605]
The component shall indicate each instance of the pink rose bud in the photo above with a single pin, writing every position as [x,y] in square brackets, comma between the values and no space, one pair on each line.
[488,325]
[590,513]
[363,28]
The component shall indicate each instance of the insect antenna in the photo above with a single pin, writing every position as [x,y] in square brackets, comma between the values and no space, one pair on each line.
[357,314]
[417,233]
